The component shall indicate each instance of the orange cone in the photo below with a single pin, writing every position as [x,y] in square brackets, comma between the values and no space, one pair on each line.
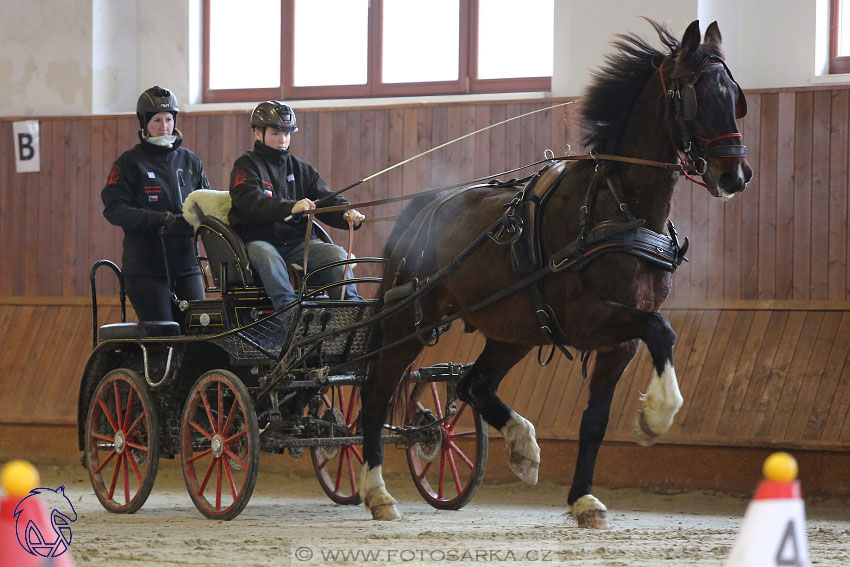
[773,532]
[18,479]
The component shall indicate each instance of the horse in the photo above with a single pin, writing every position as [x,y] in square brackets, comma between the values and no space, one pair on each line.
[647,110]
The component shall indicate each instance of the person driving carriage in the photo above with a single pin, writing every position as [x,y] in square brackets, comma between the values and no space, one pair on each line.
[144,193]
[269,189]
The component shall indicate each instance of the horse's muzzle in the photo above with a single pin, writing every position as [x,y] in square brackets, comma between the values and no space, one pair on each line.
[732,178]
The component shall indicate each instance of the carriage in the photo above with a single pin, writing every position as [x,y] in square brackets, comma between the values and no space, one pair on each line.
[582,256]
[235,379]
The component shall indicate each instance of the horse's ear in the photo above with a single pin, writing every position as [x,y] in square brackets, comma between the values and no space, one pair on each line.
[712,34]
[691,39]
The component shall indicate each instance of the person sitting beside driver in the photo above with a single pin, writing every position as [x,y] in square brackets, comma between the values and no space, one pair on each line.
[268,185]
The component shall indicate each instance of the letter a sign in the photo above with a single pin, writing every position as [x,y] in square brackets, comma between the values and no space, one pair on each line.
[27,154]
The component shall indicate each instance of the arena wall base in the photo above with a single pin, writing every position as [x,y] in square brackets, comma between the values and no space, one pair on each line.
[663,468]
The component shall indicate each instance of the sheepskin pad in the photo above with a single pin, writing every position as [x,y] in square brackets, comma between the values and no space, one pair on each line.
[211,202]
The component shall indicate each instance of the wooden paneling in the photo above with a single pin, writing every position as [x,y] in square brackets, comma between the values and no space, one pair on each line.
[760,310]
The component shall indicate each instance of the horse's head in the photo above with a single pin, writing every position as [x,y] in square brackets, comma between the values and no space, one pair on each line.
[704,102]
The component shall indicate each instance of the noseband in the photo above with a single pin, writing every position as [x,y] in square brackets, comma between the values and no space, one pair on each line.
[683,106]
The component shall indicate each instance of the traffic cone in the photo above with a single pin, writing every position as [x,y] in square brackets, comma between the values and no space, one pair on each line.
[773,532]
[18,479]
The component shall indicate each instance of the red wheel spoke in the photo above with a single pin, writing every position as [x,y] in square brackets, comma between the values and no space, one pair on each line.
[135,424]
[455,476]
[203,395]
[115,476]
[437,404]
[103,464]
[235,457]
[118,411]
[102,437]
[457,416]
[341,395]
[441,483]
[136,470]
[339,469]
[206,476]
[220,408]
[461,454]
[230,479]
[425,470]
[472,433]
[126,479]
[194,458]
[233,409]
[129,408]
[201,430]
[351,401]
[351,476]
[237,436]
[323,464]
[218,484]
[108,415]
[138,447]
[357,454]
[326,400]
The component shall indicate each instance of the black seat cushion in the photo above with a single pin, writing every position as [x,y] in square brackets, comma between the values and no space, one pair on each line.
[141,330]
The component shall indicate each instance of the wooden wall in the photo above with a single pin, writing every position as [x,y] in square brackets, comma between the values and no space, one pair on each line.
[762,310]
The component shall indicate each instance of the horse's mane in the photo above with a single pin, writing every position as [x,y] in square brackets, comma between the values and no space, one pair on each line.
[609,99]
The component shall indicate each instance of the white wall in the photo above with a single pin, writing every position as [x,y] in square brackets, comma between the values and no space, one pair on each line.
[45,57]
[70,57]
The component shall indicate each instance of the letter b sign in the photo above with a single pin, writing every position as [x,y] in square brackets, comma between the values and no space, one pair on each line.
[27,154]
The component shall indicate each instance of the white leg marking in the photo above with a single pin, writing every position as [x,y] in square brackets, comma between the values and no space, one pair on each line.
[589,512]
[373,491]
[662,400]
[522,445]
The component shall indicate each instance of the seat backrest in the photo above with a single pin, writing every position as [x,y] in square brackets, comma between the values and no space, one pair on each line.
[225,251]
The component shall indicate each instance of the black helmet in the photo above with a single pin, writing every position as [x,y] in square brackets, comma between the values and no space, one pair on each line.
[274,114]
[156,99]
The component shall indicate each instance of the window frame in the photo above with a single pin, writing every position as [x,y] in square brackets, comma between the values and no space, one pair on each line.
[467,82]
[837,64]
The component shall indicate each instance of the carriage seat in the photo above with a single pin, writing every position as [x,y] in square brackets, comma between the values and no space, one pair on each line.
[140,330]
[207,211]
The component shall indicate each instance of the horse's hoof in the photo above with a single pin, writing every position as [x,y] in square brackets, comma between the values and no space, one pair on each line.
[644,436]
[590,513]
[593,519]
[386,512]
[524,468]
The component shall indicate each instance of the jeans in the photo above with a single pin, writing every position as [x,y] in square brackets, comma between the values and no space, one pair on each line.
[151,297]
[269,260]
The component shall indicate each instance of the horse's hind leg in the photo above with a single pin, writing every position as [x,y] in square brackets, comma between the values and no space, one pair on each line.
[377,396]
[587,510]
[478,387]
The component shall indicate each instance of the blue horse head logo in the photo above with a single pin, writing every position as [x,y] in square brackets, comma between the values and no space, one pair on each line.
[34,536]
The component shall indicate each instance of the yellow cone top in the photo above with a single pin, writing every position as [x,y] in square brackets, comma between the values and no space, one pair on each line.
[18,478]
[780,467]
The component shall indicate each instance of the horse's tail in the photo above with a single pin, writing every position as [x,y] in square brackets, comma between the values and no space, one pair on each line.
[406,218]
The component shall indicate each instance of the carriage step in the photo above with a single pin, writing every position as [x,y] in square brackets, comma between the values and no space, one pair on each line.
[140,330]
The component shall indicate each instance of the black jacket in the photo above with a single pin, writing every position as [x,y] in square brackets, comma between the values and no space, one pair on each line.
[145,181]
[264,185]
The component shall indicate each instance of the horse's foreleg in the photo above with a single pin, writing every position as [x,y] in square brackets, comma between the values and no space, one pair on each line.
[478,387]
[587,510]
[377,396]
[662,399]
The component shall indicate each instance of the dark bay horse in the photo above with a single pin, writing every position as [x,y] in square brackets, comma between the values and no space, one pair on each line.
[644,104]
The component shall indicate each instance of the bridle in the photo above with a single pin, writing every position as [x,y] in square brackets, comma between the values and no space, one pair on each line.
[682,108]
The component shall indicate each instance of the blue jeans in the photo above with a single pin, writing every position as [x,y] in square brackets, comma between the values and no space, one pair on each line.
[269,260]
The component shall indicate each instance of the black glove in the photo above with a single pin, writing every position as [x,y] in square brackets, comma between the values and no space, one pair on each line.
[166,220]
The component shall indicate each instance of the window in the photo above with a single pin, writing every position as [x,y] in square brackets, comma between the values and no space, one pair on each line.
[298,49]
[839,37]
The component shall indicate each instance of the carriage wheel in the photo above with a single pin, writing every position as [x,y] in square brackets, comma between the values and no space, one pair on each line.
[122,441]
[337,466]
[447,468]
[219,445]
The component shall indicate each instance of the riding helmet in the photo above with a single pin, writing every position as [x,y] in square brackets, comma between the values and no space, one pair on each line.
[156,99]
[274,114]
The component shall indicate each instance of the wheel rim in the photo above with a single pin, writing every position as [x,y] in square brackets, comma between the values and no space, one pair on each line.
[122,442]
[448,470]
[219,445]
[336,467]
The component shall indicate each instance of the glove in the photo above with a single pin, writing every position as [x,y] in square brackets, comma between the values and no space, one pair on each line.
[166,220]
